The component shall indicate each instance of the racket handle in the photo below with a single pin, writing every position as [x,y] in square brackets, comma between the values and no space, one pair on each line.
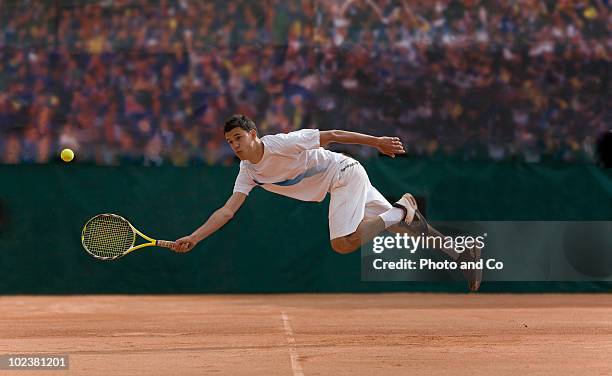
[164,243]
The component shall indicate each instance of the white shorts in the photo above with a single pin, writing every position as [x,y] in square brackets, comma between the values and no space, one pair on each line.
[353,199]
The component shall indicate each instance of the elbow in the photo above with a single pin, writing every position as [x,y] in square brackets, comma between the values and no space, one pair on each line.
[339,136]
[225,214]
[330,137]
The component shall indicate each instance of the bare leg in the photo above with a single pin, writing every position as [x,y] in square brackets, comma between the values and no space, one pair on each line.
[473,276]
[365,232]
[449,251]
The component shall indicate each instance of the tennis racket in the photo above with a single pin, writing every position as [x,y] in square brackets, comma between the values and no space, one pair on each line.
[110,236]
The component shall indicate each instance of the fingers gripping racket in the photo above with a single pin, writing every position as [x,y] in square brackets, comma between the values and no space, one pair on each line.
[109,236]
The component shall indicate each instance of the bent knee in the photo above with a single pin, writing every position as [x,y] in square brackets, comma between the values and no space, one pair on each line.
[344,245]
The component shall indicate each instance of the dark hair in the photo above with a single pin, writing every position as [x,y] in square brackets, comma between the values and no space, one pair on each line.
[239,121]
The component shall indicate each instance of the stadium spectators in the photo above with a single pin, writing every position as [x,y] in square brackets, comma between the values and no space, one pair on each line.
[152,81]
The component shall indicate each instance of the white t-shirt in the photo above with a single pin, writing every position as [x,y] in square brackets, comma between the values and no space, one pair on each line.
[293,165]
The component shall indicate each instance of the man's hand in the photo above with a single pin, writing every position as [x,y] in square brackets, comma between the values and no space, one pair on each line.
[390,146]
[184,244]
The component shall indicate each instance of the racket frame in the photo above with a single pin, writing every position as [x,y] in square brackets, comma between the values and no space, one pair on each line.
[150,241]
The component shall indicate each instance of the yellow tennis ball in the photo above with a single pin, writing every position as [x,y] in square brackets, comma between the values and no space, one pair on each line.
[67,155]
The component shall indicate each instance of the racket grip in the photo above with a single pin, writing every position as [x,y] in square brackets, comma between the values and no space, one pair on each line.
[164,243]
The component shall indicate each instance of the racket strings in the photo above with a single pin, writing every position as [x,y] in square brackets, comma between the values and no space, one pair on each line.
[108,236]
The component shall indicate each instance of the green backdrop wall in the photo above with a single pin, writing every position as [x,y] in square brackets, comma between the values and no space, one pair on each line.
[274,244]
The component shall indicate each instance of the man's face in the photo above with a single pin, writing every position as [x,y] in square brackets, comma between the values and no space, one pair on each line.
[242,142]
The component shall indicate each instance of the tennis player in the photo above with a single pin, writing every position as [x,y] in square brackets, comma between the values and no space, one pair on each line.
[297,165]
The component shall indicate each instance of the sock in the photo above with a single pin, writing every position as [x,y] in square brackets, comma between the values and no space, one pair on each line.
[392,217]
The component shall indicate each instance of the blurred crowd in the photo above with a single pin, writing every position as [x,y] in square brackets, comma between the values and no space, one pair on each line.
[151,82]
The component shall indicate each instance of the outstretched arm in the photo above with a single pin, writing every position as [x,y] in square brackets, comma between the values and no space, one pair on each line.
[217,220]
[387,145]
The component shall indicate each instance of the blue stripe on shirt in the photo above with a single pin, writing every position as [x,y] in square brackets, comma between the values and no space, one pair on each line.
[308,173]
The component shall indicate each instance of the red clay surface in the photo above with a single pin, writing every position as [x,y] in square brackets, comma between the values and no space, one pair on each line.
[373,334]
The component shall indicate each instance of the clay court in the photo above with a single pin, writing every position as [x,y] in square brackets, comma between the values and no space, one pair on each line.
[346,334]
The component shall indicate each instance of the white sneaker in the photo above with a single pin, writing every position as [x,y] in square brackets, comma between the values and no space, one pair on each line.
[409,208]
